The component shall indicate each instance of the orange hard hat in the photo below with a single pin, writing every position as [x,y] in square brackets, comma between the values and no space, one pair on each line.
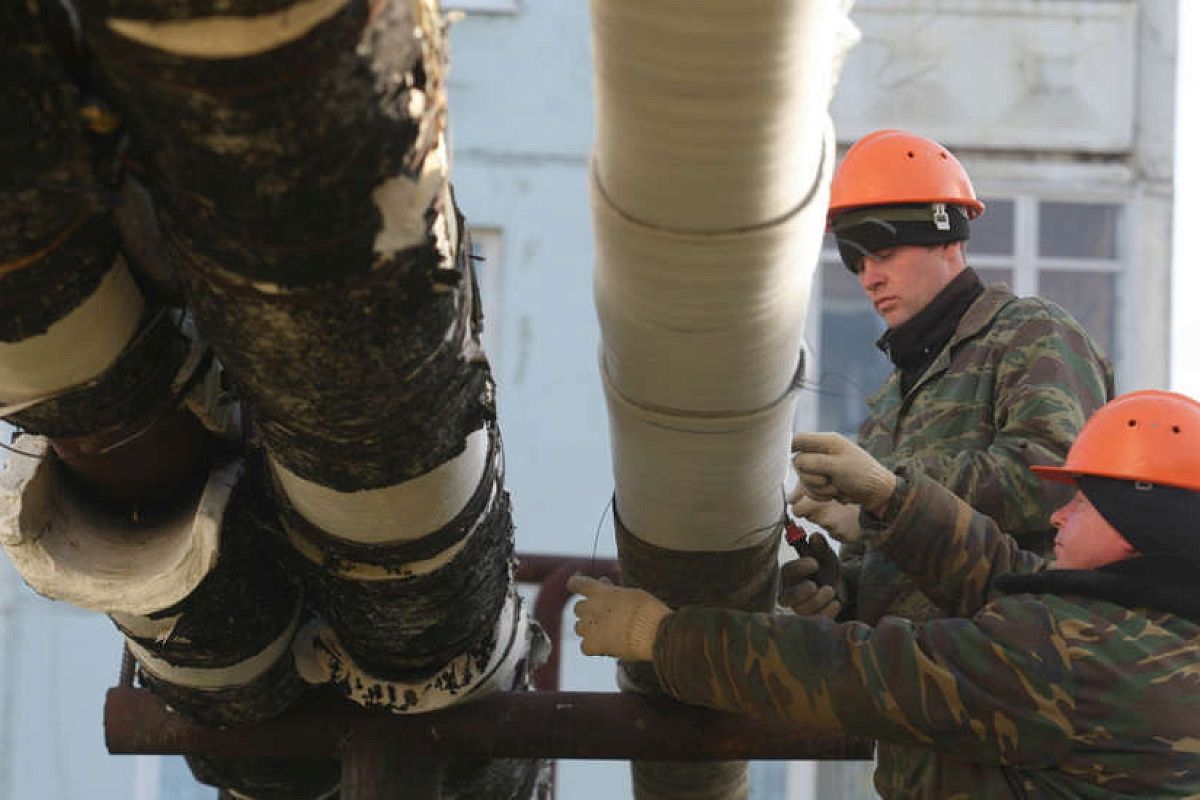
[1149,436]
[892,167]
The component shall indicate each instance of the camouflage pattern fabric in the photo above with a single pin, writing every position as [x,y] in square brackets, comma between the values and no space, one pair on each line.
[1011,388]
[1028,695]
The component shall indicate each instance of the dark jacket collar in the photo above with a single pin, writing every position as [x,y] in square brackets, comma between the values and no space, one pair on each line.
[976,320]
[1161,583]
[913,346]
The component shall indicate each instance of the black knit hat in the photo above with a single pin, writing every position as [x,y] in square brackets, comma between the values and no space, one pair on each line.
[1154,518]
[860,231]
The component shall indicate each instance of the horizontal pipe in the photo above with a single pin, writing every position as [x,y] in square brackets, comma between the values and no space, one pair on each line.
[577,725]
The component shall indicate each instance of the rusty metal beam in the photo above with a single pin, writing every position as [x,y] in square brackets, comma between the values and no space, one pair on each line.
[577,725]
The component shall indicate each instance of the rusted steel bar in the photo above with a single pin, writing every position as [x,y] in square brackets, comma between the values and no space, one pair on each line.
[577,725]
[552,572]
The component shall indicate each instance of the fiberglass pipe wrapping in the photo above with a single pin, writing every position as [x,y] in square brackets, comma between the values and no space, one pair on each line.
[711,172]
[709,113]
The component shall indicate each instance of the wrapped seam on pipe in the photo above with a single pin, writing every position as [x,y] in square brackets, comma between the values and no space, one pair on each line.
[76,348]
[700,484]
[705,322]
[710,113]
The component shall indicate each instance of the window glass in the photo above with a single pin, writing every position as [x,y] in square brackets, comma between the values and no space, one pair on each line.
[992,233]
[850,367]
[1089,296]
[1078,230]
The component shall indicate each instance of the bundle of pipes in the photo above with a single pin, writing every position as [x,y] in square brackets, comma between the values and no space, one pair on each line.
[114,499]
[709,183]
[296,152]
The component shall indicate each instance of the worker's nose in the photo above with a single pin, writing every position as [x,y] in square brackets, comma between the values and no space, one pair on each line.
[870,276]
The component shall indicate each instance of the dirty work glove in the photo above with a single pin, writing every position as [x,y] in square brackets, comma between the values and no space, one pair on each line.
[838,519]
[614,621]
[831,467]
[812,584]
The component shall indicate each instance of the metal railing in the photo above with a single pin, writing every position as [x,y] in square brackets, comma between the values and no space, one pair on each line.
[385,755]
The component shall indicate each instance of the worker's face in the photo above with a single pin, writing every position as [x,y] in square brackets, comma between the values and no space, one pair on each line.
[1085,540]
[901,280]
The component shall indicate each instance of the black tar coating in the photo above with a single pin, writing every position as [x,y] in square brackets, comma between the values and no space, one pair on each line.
[49,200]
[245,603]
[746,579]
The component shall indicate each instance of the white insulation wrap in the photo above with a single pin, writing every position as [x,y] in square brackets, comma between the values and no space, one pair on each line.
[710,113]
[76,348]
[229,36]
[66,550]
[706,322]
[398,513]
[214,678]
[699,484]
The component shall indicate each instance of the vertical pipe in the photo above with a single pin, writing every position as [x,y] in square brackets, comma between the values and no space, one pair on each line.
[709,184]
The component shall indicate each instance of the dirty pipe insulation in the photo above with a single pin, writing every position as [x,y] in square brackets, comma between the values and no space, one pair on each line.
[709,182]
[334,284]
[234,667]
[100,514]
[84,356]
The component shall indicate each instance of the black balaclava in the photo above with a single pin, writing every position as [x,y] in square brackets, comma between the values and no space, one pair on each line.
[913,345]
[868,230]
[1156,519]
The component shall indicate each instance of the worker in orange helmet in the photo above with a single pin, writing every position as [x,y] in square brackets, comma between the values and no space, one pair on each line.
[985,385]
[1078,677]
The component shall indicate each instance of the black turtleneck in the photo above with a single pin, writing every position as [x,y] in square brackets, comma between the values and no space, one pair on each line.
[914,345]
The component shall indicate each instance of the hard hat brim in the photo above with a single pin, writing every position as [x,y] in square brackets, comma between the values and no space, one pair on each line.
[1056,474]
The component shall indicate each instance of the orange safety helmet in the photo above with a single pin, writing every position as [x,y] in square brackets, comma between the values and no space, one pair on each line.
[892,167]
[1149,436]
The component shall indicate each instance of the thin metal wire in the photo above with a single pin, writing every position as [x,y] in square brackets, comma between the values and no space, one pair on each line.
[12,449]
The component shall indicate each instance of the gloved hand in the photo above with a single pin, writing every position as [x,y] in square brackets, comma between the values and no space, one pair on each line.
[615,621]
[831,467]
[812,585]
[838,519]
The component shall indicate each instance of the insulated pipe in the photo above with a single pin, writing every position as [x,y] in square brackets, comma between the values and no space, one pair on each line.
[86,357]
[710,177]
[335,285]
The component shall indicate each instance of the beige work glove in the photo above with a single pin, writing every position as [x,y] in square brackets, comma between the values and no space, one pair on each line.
[831,467]
[614,621]
[812,584]
[838,519]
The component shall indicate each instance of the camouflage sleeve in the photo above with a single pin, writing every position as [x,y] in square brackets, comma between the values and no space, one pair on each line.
[952,551]
[993,689]
[1048,382]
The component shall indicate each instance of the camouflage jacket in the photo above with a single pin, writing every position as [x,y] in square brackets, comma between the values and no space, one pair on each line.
[1031,694]
[1011,388]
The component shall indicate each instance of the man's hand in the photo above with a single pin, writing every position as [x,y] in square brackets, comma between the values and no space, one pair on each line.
[831,467]
[838,519]
[812,585]
[614,621]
